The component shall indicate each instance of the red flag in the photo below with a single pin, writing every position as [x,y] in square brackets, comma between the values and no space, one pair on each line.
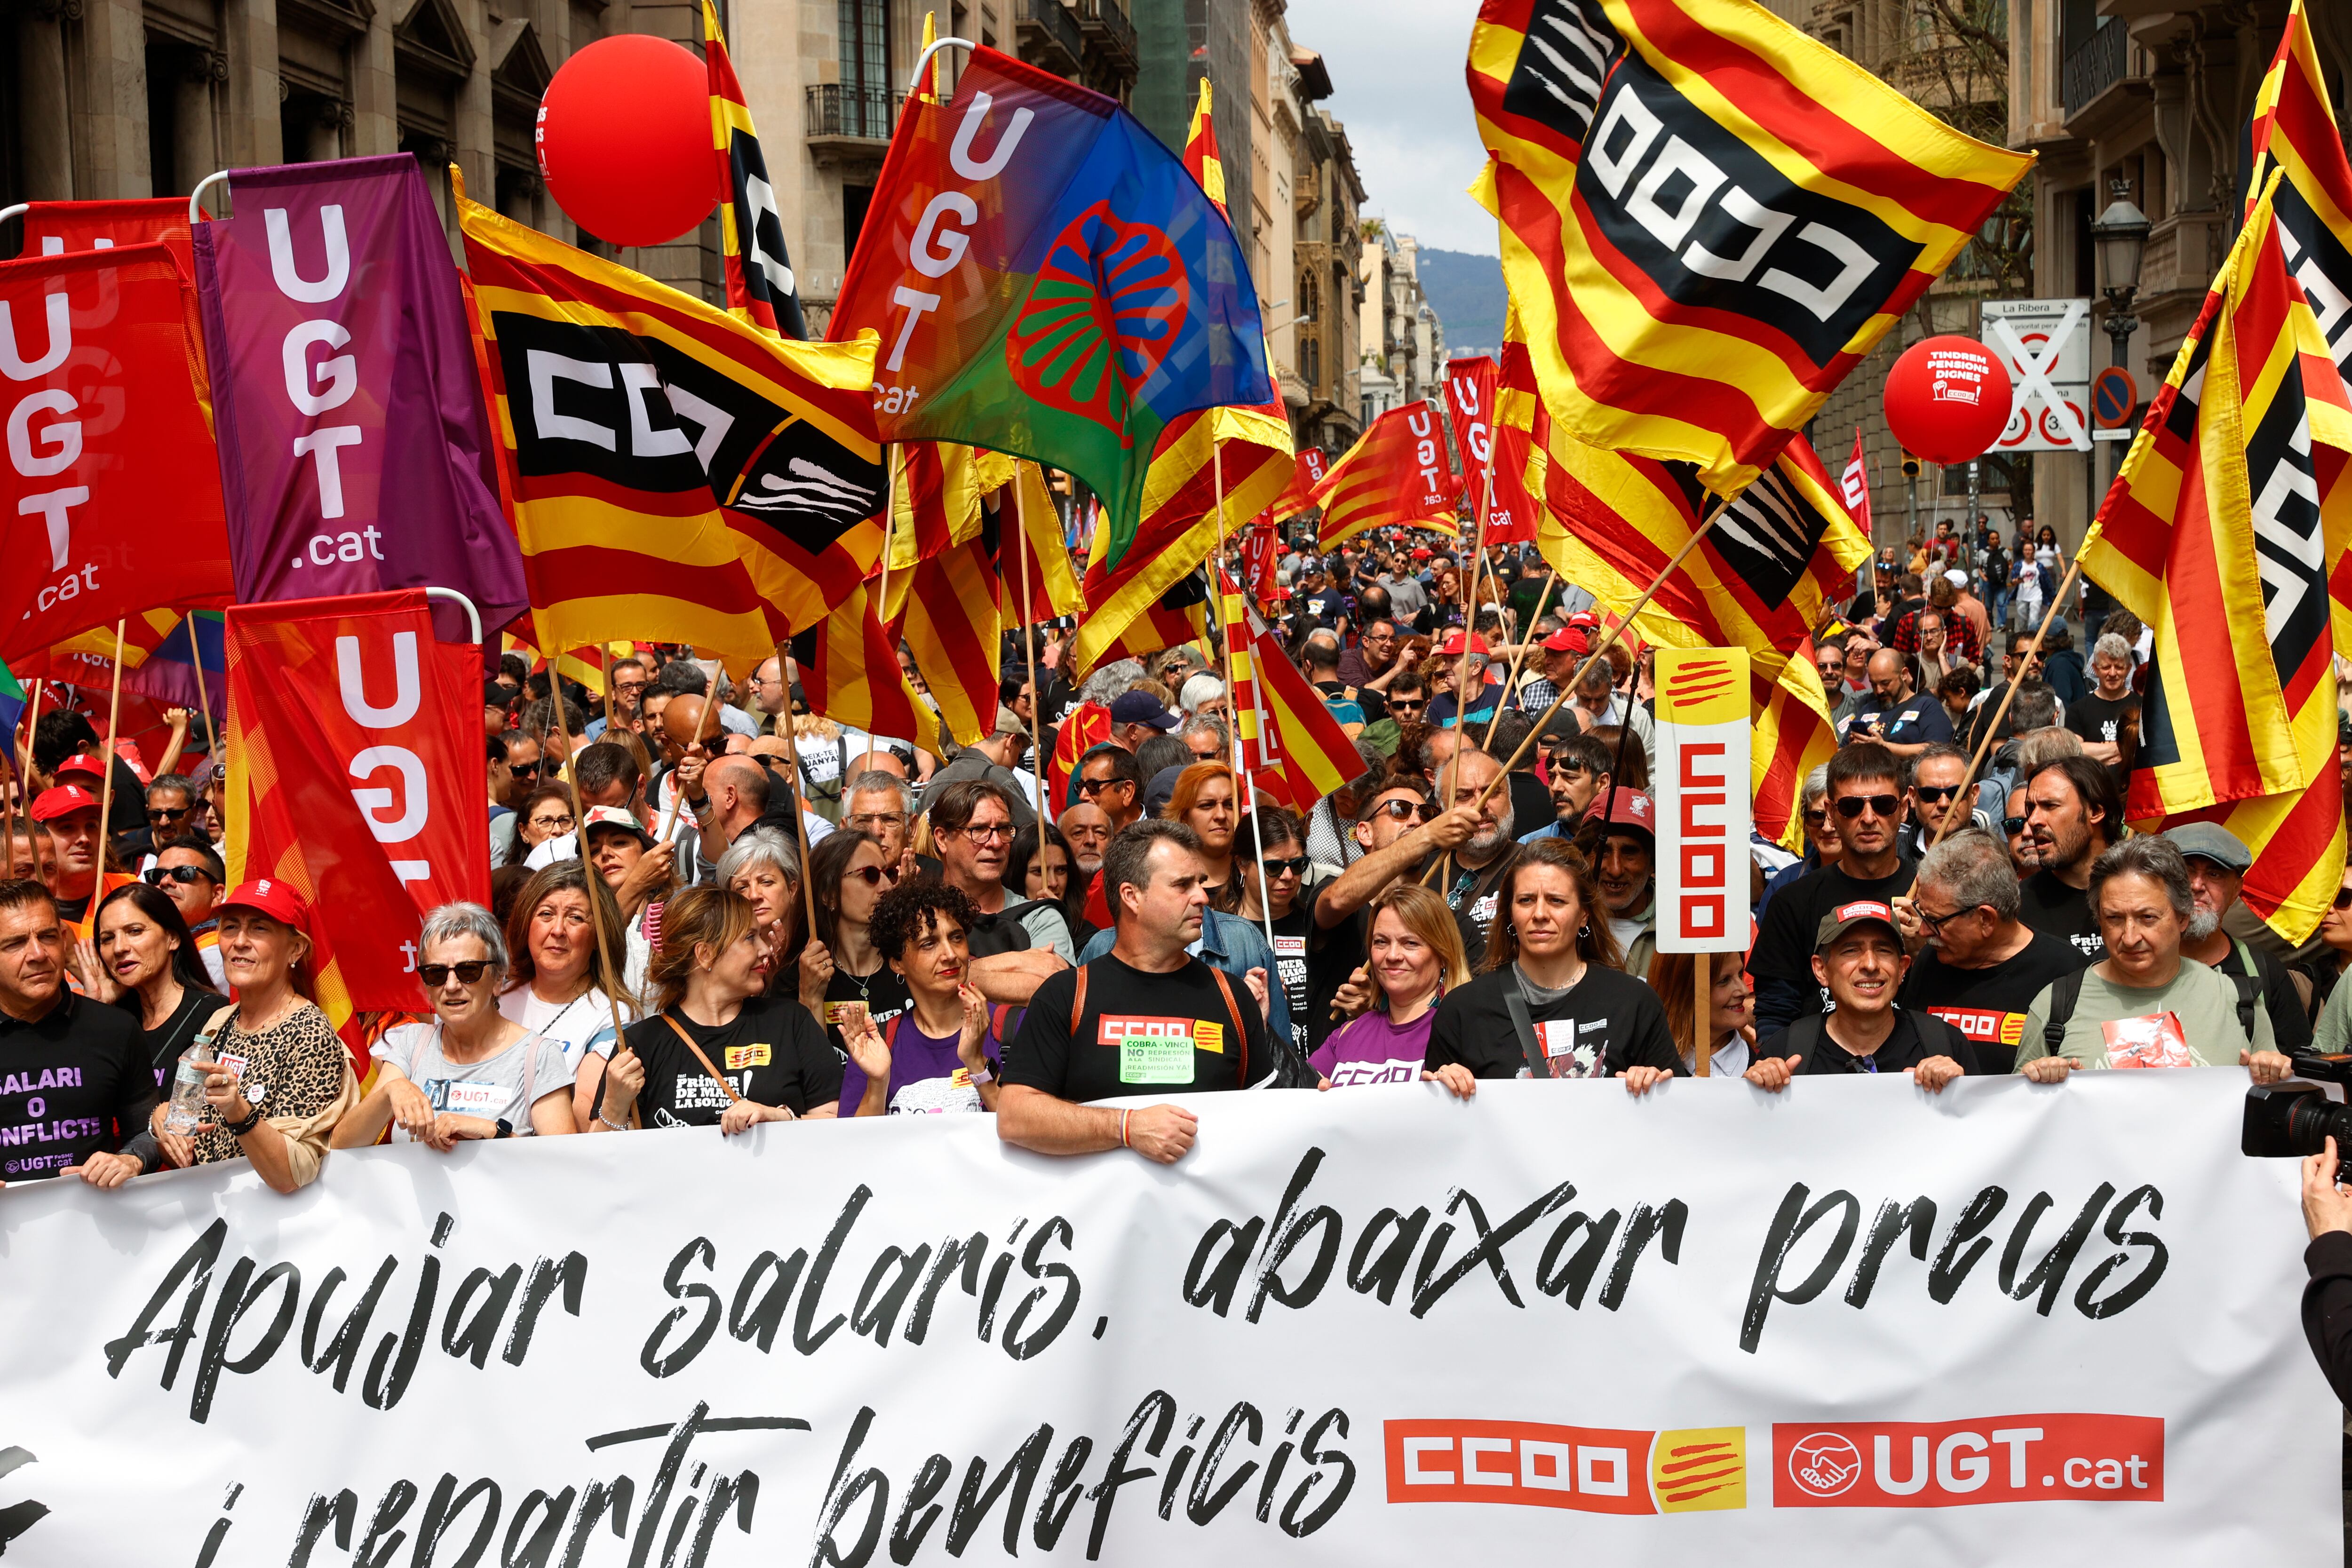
[112,498]
[52,228]
[1470,398]
[1516,404]
[356,742]
[1398,473]
[1261,553]
[1307,753]
[1854,485]
[1306,474]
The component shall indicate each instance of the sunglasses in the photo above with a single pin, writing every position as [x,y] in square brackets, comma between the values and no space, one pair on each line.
[156,875]
[2012,826]
[436,975]
[1296,866]
[1401,705]
[1936,795]
[1091,786]
[1816,818]
[1564,763]
[875,875]
[2342,898]
[162,814]
[1853,806]
[1403,810]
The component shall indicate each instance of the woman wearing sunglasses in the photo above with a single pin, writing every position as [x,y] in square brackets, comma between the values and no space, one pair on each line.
[1272,864]
[941,1053]
[2331,1000]
[471,1073]
[851,871]
[144,959]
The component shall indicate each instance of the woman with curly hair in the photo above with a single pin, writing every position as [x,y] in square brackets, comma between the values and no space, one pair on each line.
[941,1054]
[1553,1002]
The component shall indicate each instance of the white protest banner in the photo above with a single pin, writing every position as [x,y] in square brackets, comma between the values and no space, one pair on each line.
[1704,806]
[1853,1323]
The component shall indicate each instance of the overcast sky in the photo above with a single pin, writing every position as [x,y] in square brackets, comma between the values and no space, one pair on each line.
[1397,84]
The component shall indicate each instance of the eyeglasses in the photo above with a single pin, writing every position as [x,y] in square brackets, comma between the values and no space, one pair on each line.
[2012,826]
[557,823]
[523,770]
[629,687]
[436,975]
[1562,762]
[1853,806]
[2342,898]
[1935,923]
[1296,866]
[160,815]
[984,830]
[1403,706]
[1936,795]
[875,875]
[156,875]
[1817,818]
[1403,810]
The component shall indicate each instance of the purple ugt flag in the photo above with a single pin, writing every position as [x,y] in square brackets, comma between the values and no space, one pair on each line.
[354,448]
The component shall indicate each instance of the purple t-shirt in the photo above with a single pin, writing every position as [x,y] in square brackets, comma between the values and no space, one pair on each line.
[926,1077]
[1373,1049]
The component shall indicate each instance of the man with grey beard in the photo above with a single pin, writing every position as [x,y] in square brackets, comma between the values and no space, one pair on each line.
[1479,864]
[2217,867]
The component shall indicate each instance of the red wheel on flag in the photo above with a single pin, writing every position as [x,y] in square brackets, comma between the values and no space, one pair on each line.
[1947,399]
[624,139]
[1059,352]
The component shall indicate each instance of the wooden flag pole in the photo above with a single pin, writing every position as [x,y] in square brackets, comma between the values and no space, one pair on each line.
[1702,1010]
[1519,659]
[1976,761]
[1462,668]
[608,972]
[24,770]
[800,806]
[1029,652]
[1607,639]
[882,587]
[106,761]
[204,696]
[701,733]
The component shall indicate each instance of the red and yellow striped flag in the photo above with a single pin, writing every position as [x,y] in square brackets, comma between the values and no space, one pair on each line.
[842,662]
[1708,217]
[2216,535]
[953,628]
[673,474]
[1306,473]
[761,291]
[1757,581]
[1201,160]
[1306,754]
[1398,472]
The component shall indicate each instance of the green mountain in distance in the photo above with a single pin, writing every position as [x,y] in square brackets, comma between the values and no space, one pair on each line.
[1466,291]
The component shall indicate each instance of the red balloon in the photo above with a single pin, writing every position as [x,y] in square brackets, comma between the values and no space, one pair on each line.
[624,139]
[1947,399]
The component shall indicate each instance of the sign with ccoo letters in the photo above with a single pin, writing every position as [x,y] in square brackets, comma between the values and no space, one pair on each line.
[1704,808]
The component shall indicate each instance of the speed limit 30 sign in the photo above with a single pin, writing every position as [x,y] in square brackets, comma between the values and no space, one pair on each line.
[2045,345]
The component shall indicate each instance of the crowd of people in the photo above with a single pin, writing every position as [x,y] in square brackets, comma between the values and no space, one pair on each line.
[708,905]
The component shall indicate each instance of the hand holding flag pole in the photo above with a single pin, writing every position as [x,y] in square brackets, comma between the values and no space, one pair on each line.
[701,730]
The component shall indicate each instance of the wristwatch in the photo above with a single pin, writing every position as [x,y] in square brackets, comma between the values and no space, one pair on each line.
[506,1128]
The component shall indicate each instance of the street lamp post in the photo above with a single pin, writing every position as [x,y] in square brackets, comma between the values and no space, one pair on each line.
[2120,236]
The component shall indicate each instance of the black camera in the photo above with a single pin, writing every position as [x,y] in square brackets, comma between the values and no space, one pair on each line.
[2293,1119]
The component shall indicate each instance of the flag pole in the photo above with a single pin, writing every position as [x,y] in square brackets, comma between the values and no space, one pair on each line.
[1461,670]
[1029,650]
[1607,639]
[23,769]
[106,763]
[1520,658]
[1233,711]
[204,694]
[701,731]
[607,972]
[889,529]
[799,804]
[1992,728]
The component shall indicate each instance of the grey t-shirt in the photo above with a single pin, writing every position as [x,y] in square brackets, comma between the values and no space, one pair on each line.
[502,1088]
[2190,1022]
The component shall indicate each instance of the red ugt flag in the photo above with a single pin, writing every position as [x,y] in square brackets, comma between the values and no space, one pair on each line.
[1853,485]
[110,497]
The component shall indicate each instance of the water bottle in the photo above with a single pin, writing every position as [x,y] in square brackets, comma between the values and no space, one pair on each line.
[188,1107]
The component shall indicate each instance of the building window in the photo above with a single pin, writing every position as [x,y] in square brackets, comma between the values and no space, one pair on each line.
[865,47]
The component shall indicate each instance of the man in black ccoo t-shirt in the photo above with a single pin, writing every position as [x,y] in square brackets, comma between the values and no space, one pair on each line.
[73,1085]
[1147,1016]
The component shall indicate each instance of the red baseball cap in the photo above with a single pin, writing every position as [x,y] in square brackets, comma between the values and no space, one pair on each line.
[271,896]
[1568,639]
[52,803]
[1453,647]
[1420,552]
[1629,808]
[84,763]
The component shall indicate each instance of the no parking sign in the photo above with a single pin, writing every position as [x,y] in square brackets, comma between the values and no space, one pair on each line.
[2045,344]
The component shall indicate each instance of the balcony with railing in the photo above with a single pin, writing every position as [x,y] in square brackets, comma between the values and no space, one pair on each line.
[845,112]
[1106,25]
[1049,35]
[2092,67]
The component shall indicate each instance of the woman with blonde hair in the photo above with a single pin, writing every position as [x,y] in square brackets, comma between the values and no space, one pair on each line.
[1552,1004]
[716,1050]
[1415,956]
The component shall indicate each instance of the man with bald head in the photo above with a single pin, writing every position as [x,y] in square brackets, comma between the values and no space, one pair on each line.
[1896,714]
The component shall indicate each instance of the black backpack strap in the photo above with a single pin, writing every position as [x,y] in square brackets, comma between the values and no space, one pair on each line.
[2248,979]
[1524,1025]
[1799,1037]
[2064,992]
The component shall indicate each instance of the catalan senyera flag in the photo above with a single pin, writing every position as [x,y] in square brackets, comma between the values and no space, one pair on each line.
[760,289]
[2293,128]
[953,628]
[1515,405]
[672,473]
[1709,218]
[1307,754]
[1088,726]
[843,660]
[1201,160]
[1398,472]
[936,489]
[1051,585]
[1306,472]
[1854,485]
[2214,533]
[1759,581]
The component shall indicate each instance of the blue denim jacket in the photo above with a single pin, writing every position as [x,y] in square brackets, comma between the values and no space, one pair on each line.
[1233,944]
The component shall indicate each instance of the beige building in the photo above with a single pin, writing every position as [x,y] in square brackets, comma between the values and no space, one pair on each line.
[1403,354]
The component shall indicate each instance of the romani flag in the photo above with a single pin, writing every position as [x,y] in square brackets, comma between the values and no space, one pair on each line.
[841,661]
[1046,279]
[1305,754]
[2215,534]
[1397,473]
[672,473]
[164,654]
[759,286]
[12,709]
[1754,213]
[1760,581]
[1248,447]
[2293,128]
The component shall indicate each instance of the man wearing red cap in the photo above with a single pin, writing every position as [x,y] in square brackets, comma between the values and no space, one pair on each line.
[70,814]
[73,1085]
[1446,667]
[1626,871]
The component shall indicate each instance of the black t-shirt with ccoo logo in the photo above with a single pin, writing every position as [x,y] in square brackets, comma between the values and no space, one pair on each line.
[1141,1033]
